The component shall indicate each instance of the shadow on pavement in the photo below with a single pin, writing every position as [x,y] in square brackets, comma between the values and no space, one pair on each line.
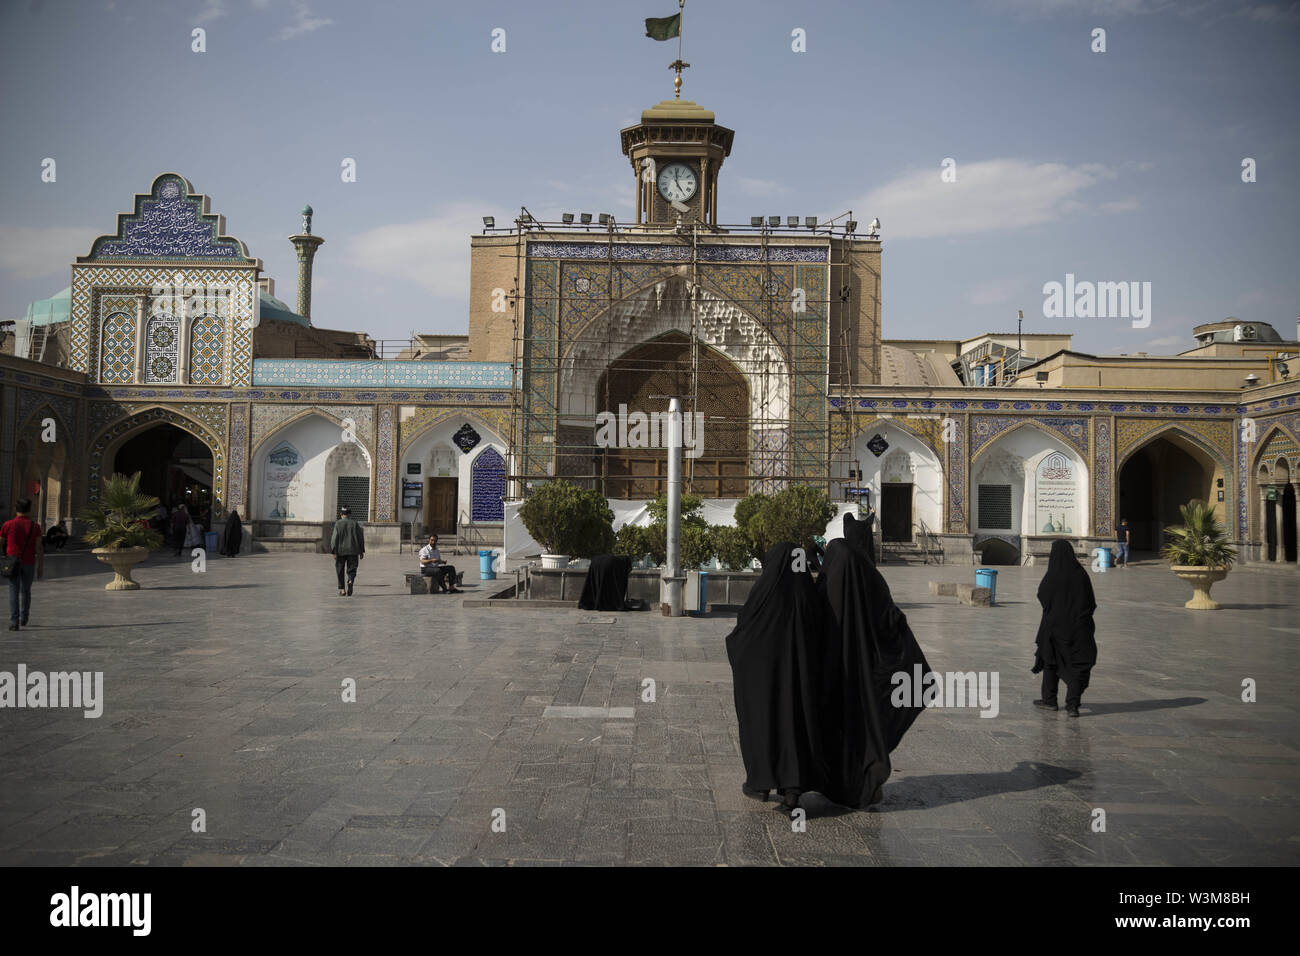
[1141,706]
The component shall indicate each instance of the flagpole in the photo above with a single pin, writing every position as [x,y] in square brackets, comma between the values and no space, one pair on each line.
[681,26]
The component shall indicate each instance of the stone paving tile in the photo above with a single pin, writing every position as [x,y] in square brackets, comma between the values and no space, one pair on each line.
[448,726]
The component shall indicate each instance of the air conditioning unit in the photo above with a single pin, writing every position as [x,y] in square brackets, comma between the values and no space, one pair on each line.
[1243,333]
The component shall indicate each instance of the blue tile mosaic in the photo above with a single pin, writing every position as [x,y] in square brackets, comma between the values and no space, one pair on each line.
[379,374]
[661,253]
[488,485]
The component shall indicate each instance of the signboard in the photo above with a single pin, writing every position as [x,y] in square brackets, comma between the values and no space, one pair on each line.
[412,467]
[1272,492]
[412,493]
[282,486]
[1056,496]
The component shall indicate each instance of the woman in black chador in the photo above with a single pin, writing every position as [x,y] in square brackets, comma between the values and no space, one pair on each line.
[1067,647]
[232,536]
[871,642]
[606,587]
[777,654]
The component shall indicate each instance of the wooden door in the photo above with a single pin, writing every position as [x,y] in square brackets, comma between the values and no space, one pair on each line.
[440,506]
[895,511]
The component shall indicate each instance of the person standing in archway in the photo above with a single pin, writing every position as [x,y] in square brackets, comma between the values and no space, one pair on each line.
[348,545]
[1124,538]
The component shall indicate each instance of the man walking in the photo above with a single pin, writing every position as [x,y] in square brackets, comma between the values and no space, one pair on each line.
[23,541]
[1123,537]
[348,545]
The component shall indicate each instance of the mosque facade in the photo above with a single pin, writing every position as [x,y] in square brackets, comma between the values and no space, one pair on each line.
[169,354]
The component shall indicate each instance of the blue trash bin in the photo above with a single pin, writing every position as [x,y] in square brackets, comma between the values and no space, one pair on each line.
[210,542]
[485,571]
[1103,558]
[987,578]
[703,602]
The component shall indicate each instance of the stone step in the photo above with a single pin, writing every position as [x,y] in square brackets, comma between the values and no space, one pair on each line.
[909,554]
[281,545]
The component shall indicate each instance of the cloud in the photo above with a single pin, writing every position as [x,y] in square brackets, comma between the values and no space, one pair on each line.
[989,195]
[1109,8]
[31,252]
[1120,205]
[304,21]
[433,252]
[1203,10]
[211,10]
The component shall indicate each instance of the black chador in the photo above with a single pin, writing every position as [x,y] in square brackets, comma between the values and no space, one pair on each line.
[606,587]
[232,536]
[1067,645]
[860,534]
[778,660]
[871,643]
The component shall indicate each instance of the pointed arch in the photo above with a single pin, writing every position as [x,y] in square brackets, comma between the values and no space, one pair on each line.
[1175,429]
[108,440]
[300,416]
[429,424]
[1033,423]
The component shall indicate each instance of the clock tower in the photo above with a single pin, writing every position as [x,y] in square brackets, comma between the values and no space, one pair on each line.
[676,152]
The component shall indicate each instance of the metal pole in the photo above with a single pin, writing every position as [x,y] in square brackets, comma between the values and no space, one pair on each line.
[672,605]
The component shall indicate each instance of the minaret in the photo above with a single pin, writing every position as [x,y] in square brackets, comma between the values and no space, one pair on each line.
[306,244]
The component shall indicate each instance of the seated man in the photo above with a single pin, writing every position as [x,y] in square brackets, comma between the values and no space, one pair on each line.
[57,536]
[432,565]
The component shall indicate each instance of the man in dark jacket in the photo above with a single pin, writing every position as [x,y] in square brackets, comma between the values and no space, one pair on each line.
[348,545]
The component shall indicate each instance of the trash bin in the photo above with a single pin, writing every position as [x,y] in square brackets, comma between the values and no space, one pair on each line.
[987,578]
[210,542]
[485,571]
[1103,558]
[702,596]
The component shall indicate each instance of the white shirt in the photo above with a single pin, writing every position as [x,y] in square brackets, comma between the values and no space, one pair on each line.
[430,553]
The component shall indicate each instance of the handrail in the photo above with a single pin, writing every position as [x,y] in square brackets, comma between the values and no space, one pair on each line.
[928,539]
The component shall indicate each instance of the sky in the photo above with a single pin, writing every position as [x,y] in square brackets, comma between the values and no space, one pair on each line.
[1117,166]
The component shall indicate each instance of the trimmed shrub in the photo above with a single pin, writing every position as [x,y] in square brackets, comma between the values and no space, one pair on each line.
[798,513]
[566,519]
[732,547]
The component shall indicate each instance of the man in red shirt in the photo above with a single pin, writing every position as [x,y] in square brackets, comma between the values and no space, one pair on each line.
[22,539]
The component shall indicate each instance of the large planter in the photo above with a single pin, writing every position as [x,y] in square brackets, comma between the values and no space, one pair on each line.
[121,560]
[554,562]
[1201,579]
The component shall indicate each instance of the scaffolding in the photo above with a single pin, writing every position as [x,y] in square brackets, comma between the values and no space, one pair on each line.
[578,350]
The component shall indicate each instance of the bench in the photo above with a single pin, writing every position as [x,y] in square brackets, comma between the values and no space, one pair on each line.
[420,583]
[965,593]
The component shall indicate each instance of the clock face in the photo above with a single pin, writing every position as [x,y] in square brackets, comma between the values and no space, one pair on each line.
[677,182]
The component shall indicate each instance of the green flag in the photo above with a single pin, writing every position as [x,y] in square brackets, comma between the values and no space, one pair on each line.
[663,28]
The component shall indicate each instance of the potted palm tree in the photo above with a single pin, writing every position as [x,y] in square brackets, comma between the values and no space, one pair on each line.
[1199,553]
[119,524]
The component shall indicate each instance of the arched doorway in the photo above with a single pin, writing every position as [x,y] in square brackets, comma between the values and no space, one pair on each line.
[175,467]
[1278,511]
[637,383]
[1028,486]
[1156,480]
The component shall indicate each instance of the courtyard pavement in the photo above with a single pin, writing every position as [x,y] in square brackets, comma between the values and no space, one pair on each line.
[224,693]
